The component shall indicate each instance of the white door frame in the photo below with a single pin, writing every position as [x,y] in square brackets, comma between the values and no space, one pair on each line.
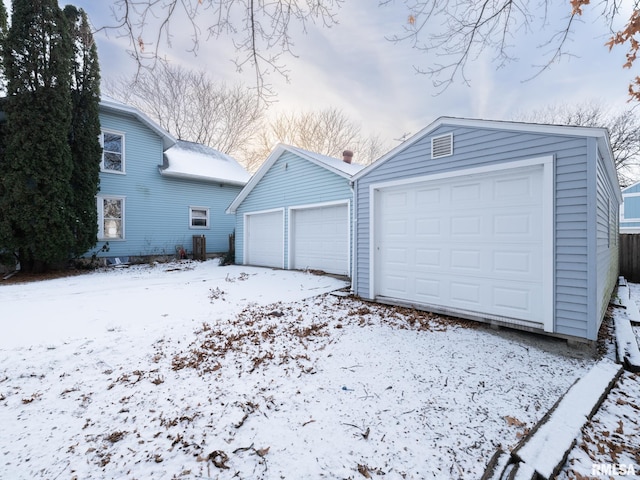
[245,237]
[292,209]
[547,163]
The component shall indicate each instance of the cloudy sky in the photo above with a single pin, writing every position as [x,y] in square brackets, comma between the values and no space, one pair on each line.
[354,67]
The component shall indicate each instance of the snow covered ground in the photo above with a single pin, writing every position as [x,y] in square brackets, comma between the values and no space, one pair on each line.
[191,370]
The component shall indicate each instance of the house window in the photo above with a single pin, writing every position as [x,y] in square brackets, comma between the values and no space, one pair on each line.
[112,152]
[199,217]
[111,218]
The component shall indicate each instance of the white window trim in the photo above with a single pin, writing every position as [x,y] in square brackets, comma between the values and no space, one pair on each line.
[198,227]
[122,135]
[100,202]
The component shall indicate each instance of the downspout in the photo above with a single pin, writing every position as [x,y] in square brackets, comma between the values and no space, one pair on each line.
[354,243]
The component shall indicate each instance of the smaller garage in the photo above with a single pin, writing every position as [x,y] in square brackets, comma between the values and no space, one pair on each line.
[509,223]
[296,211]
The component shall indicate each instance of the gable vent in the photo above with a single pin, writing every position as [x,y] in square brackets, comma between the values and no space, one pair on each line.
[442,146]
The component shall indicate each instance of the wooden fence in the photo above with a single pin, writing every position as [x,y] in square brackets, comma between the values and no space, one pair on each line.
[630,257]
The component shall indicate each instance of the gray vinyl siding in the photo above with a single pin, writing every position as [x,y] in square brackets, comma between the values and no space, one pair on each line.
[607,243]
[571,241]
[291,181]
[575,278]
[157,207]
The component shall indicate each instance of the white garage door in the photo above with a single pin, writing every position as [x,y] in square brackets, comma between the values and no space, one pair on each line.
[469,243]
[264,239]
[320,239]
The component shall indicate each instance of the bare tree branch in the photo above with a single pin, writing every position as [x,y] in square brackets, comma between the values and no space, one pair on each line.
[259,29]
[328,131]
[623,126]
[192,106]
[461,30]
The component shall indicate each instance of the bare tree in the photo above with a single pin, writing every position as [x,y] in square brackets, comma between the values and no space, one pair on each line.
[623,126]
[457,31]
[260,29]
[328,131]
[192,106]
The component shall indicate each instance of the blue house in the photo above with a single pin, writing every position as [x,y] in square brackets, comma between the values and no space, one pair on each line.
[296,211]
[156,192]
[510,223]
[630,209]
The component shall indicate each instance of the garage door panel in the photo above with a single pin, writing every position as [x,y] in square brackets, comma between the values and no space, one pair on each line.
[320,238]
[396,284]
[465,261]
[428,197]
[265,239]
[479,250]
[466,294]
[428,258]
[463,226]
[515,188]
[466,194]
[428,226]
[511,300]
[514,263]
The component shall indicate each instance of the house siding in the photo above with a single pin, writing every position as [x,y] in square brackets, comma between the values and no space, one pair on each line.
[573,218]
[290,182]
[157,207]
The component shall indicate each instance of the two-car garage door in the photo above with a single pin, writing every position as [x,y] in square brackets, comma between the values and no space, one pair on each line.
[318,238]
[467,244]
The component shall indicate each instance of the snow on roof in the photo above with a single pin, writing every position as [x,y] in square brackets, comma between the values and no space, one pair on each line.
[200,162]
[331,162]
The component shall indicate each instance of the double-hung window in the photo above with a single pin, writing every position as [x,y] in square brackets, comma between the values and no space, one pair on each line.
[198,217]
[111,218]
[112,152]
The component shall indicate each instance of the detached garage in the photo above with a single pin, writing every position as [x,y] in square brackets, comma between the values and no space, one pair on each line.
[510,223]
[295,213]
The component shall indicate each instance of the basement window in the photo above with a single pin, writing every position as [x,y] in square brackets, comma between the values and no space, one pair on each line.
[442,146]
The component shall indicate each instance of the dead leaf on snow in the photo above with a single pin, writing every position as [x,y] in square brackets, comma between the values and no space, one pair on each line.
[364,471]
[262,451]
[219,459]
[514,422]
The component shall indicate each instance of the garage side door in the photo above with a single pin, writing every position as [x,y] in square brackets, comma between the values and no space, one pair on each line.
[264,234]
[320,239]
[472,243]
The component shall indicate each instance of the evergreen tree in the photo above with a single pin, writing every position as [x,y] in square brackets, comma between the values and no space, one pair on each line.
[35,206]
[85,129]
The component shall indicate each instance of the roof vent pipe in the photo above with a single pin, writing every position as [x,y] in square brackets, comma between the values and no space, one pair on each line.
[347,156]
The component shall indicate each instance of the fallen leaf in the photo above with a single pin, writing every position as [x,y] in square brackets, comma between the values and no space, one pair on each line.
[262,451]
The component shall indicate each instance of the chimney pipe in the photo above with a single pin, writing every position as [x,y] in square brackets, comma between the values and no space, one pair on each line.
[347,156]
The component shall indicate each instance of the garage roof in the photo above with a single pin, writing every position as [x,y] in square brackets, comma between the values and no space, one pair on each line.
[335,165]
[600,134]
